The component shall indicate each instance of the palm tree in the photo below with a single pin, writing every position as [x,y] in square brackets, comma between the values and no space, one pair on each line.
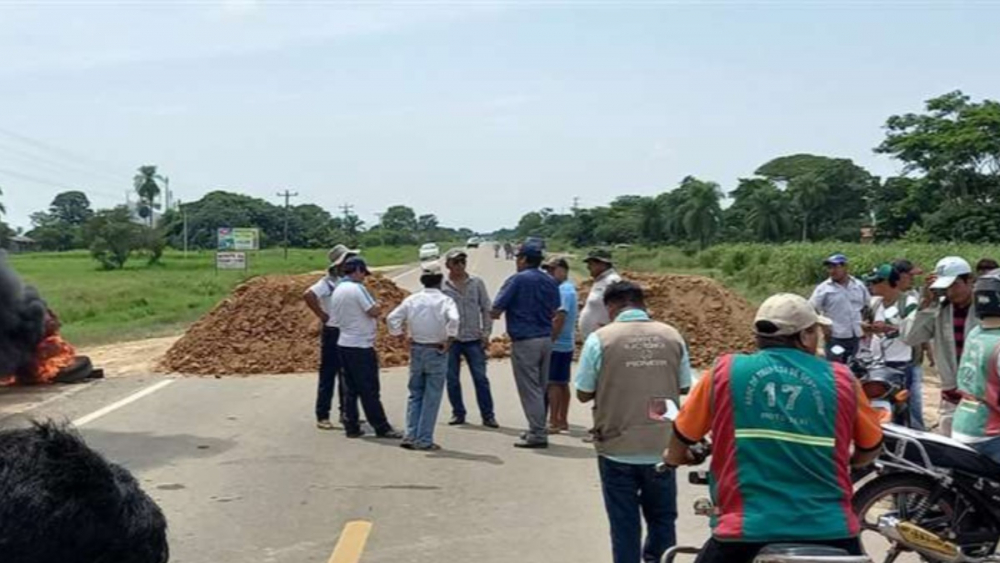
[2,208]
[768,214]
[651,219]
[701,213]
[809,194]
[146,186]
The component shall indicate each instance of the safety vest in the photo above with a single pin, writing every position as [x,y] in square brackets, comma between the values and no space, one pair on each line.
[979,382]
[782,430]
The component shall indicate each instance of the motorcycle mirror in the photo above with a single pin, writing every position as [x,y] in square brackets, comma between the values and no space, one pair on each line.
[662,409]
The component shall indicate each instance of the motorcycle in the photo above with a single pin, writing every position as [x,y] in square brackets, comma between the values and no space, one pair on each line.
[884,386]
[933,497]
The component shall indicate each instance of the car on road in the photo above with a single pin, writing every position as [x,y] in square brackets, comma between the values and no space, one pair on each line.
[473,242]
[429,251]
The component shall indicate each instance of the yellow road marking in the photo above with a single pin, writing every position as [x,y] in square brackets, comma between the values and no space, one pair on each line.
[352,541]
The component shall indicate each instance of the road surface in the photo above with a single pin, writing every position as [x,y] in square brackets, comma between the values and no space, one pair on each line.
[243,475]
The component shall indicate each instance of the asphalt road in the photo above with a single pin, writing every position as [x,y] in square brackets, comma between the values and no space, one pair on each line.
[244,476]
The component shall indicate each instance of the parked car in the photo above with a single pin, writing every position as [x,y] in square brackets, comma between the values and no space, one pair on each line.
[473,242]
[429,251]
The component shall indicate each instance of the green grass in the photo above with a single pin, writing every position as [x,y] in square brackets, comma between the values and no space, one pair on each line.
[140,301]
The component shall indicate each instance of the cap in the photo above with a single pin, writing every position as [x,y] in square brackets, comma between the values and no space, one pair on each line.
[904,266]
[885,272]
[835,260]
[986,265]
[599,255]
[556,262]
[432,268]
[340,253]
[530,250]
[790,313]
[948,269]
[355,264]
[455,253]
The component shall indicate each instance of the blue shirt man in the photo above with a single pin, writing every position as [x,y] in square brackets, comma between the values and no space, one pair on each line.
[563,333]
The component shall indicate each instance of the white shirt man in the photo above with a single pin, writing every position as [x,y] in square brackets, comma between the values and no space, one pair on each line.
[431,315]
[595,314]
[350,306]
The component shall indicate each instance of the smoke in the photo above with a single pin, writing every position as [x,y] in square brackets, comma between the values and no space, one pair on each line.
[22,320]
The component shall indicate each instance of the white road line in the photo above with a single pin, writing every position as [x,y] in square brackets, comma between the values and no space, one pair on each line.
[404,274]
[119,404]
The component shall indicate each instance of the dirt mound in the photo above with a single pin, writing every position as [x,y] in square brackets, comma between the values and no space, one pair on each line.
[712,319]
[264,327]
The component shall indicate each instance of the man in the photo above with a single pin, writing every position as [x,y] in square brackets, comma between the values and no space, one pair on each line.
[985,266]
[474,306]
[530,299]
[602,271]
[563,344]
[945,318]
[977,419]
[626,368]
[62,501]
[317,298]
[356,313]
[841,298]
[887,346]
[433,321]
[783,424]
[907,286]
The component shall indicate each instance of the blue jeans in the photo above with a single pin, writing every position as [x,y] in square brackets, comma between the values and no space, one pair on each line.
[915,385]
[475,355]
[428,368]
[632,492]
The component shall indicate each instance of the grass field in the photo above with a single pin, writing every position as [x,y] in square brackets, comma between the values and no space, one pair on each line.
[98,306]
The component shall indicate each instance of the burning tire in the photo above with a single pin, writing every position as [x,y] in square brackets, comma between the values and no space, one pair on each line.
[76,372]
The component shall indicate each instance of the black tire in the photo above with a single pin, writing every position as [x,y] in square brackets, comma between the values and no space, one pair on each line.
[76,372]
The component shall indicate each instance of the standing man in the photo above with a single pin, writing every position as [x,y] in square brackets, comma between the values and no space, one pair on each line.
[602,271]
[563,343]
[887,345]
[356,313]
[908,287]
[473,301]
[530,299]
[433,321]
[786,426]
[945,318]
[626,368]
[842,297]
[317,298]
[985,266]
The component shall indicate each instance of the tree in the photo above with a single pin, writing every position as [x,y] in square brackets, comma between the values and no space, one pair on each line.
[71,208]
[3,210]
[53,234]
[768,215]
[651,220]
[530,225]
[352,228]
[399,218]
[427,223]
[701,211]
[145,183]
[809,194]
[112,237]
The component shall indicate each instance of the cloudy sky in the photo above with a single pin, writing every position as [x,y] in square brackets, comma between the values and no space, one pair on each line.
[475,111]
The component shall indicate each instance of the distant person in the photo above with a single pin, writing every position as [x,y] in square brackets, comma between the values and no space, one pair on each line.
[908,272]
[530,299]
[841,298]
[432,318]
[563,344]
[61,502]
[985,266]
[356,313]
[945,318]
[318,298]
[474,306]
[626,368]
[496,249]
[602,272]
[887,345]
[508,250]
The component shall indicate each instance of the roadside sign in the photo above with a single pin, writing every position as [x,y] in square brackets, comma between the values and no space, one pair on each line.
[230,260]
[238,239]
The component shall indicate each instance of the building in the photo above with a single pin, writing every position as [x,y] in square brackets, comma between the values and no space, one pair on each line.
[21,243]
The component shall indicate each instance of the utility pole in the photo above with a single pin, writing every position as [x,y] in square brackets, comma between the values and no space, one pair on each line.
[381,229]
[287,195]
[576,204]
[346,208]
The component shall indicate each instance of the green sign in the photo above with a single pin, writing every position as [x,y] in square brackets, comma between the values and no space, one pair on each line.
[239,239]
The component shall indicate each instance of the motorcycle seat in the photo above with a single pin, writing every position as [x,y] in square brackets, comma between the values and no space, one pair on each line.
[802,550]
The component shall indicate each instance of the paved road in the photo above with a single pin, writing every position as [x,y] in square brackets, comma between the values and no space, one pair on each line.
[243,475]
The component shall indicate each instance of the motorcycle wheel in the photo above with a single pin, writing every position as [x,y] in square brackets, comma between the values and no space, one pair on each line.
[908,497]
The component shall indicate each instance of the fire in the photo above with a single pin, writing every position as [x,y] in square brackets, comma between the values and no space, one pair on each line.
[52,355]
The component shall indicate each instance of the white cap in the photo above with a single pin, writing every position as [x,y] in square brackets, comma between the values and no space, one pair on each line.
[432,268]
[789,312]
[948,269]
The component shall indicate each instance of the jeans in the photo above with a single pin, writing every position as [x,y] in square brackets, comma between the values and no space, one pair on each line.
[715,551]
[915,385]
[850,346]
[330,374]
[361,375]
[475,355]
[428,367]
[989,448]
[530,359]
[631,491]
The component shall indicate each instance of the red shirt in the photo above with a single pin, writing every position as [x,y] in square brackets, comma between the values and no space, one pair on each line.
[958,317]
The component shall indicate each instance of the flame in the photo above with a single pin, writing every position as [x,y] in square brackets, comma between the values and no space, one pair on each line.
[52,355]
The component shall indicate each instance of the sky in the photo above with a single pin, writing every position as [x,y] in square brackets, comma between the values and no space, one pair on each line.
[477,112]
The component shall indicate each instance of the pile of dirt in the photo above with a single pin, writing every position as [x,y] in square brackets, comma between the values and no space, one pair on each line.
[712,319]
[265,327]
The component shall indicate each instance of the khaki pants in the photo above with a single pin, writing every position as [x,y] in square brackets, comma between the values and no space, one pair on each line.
[946,413]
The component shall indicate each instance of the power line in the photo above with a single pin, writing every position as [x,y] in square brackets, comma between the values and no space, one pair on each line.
[46,147]
[287,195]
[50,183]
[57,166]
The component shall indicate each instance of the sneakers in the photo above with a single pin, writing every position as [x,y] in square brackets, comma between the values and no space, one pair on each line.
[427,447]
[456,421]
[407,444]
[325,425]
[491,423]
[531,445]
[390,434]
[355,433]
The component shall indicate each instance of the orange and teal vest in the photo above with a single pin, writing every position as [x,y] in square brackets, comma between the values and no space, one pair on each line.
[979,383]
[782,430]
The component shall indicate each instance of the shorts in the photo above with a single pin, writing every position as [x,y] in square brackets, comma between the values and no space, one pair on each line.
[560,367]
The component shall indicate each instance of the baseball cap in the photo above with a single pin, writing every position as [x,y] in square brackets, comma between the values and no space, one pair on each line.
[904,266]
[835,260]
[556,262]
[599,255]
[530,250]
[885,272]
[432,268]
[339,253]
[948,269]
[355,264]
[455,253]
[789,312]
